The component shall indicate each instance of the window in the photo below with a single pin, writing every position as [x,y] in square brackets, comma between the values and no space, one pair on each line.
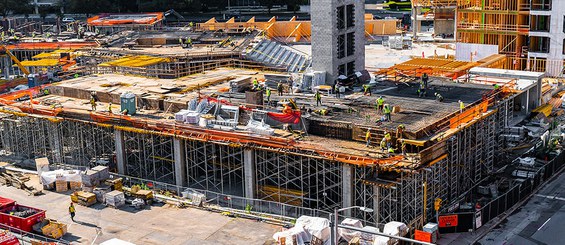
[350,68]
[539,44]
[340,17]
[341,69]
[350,43]
[539,23]
[350,15]
[541,5]
[340,46]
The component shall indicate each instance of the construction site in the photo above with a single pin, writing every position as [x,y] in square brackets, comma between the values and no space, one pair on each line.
[237,109]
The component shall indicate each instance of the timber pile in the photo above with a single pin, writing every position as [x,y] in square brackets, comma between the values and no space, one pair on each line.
[17,180]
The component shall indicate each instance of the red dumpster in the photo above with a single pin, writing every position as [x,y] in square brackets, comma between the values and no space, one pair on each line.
[21,217]
[5,202]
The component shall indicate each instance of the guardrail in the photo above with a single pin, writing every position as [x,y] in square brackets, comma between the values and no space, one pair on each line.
[221,202]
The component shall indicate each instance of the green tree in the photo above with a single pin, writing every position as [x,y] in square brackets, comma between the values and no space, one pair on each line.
[15,6]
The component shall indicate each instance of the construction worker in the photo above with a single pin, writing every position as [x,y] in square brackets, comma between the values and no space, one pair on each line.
[76,75]
[180,41]
[422,90]
[280,88]
[387,111]
[255,84]
[461,106]
[367,90]
[391,150]
[380,104]
[191,24]
[438,97]
[93,103]
[110,107]
[336,90]
[72,211]
[399,131]
[318,98]
[496,86]
[46,91]
[189,41]
[383,144]
[403,147]
[368,137]
[268,91]
[425,79]
[388,138]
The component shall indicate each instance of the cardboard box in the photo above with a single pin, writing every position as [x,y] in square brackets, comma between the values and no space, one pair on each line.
[61,186]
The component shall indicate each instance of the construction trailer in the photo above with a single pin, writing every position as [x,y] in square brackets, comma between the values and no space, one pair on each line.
[449,151]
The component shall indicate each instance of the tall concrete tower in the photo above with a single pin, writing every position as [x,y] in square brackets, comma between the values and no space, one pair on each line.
[338,37]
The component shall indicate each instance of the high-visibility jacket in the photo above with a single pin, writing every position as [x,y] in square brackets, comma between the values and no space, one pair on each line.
[368,135]
[268,92]
[383,143]
[72,209]
[317,95]
[366,87]
[461,105]
[386,110]
[387,136]
[380,101]
[255,82]
[390,150]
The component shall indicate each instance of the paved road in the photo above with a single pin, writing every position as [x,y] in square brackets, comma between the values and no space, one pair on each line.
[158,225]
[540,221]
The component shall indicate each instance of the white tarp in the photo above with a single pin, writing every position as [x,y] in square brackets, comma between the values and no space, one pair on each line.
[305,228]
[347,234]
[116,241]
[60,174]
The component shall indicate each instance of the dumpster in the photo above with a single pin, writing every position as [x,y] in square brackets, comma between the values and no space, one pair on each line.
[21,217]
[5,202]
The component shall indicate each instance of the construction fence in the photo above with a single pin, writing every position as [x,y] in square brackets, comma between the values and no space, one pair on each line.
[468,221]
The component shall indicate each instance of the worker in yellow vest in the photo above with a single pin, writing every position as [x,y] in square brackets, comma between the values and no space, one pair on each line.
[255,84]
[110,107]
[72,211]
[318,98]
[387,111]
[461,106]
[268,91]
[380,104]
[368,137]
[93,103]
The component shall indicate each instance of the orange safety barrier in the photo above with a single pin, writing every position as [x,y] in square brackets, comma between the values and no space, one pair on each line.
[468,114]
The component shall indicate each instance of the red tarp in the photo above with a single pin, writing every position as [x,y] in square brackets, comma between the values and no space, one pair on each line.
[293,117]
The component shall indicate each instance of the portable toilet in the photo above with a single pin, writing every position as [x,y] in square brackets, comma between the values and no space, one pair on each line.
[32,80]
[127,102]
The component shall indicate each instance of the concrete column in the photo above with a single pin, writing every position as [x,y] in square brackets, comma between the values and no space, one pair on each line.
[347,187]
[180,162]
[120,151]
[249,172]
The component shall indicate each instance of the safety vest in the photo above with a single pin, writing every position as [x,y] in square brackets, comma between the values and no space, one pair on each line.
[71,209]
[461,105]
[386,110]
[366,87]
[317,95]
[368,135]
[387,136]
[390,150]
[380,101]
[255,82]
[268,92]
[383,143]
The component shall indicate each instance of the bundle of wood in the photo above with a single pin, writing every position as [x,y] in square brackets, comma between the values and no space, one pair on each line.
[18,180]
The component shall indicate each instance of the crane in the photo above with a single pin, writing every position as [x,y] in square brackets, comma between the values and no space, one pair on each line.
[5,51]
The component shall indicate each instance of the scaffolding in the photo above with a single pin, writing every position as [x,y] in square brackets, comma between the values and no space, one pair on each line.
[504,23]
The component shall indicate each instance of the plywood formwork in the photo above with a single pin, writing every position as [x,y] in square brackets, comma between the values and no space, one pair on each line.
[504,23]
[294,30]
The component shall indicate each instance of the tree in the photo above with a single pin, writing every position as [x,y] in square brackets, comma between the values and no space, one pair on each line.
[15,6]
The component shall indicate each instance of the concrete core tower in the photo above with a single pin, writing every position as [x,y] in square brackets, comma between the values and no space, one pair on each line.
[338,37]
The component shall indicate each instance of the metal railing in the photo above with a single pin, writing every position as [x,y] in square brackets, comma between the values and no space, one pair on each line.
[223,202]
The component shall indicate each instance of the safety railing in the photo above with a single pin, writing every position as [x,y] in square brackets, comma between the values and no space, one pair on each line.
[225,202]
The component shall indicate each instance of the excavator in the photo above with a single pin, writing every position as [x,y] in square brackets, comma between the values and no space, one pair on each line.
[5,85]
